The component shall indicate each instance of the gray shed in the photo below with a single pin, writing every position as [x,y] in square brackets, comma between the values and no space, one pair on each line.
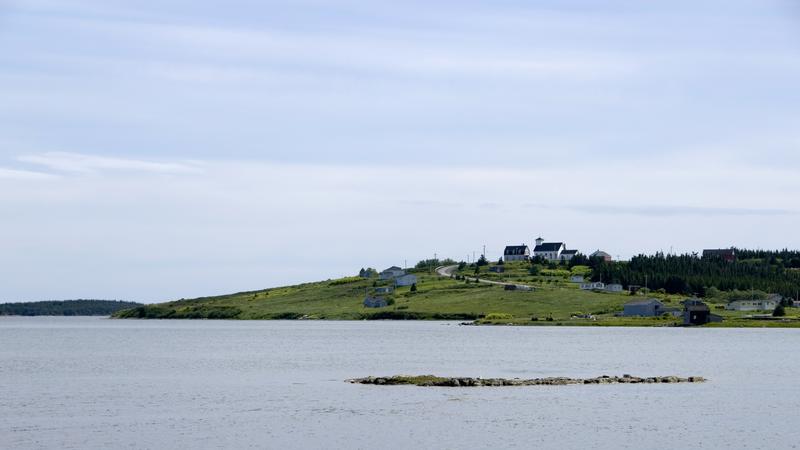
[643,308]
[375,302]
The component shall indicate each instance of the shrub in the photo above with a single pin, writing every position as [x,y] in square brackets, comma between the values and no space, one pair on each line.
[499,316]
[779,311]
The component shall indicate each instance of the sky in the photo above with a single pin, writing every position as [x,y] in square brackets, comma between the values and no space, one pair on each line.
[156,150]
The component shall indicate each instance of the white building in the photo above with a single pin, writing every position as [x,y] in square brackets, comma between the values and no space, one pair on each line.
[576,279]
[614,287]
[753,305]
[593,286]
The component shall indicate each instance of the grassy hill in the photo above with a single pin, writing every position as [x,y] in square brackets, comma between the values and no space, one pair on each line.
[435,298]
[555,301]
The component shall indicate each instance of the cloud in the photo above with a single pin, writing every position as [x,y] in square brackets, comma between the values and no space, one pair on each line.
[24,175]
[669,210]
[82,163]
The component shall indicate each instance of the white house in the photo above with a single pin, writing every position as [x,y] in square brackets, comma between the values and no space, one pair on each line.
[592,286]
[391,272]
[516,253]
[614,287]
[753,305]
[550,251]
[576,279]
[405,280]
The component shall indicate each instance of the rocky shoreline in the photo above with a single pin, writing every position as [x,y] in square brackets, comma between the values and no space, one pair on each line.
[431,380]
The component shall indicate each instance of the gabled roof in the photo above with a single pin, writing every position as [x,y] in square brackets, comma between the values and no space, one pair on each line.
[569,252]
[393,268]
[515,250]
[548,247]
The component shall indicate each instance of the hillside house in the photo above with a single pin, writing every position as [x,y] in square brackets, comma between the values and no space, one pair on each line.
[567,255]
[753,305]
[405,280]
[375,302]
[384,290]
[391,272]
[516,253]
[576,279]
[601,254]
[643,308]
[613,287]
[728,254]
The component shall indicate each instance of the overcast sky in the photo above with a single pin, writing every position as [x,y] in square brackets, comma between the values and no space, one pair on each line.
[154,150]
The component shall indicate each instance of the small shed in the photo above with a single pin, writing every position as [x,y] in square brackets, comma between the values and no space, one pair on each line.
[614,287]
[375,302]
[695,312]
[576,279]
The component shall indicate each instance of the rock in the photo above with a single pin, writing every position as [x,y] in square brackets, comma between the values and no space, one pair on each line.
[431,380]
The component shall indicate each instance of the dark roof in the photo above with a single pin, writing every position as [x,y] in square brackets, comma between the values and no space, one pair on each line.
[392,268]
[515,250]
[548,247]
[600,253]
[570,252]
[702,307]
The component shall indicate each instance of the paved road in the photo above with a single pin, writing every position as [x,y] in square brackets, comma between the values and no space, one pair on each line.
[447,272]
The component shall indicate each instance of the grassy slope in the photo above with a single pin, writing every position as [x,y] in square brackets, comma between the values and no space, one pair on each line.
[436,298]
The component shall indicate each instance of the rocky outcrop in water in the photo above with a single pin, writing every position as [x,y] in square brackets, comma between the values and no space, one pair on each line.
[431,380]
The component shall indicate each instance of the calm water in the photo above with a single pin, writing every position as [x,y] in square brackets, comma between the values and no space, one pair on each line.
[98,383]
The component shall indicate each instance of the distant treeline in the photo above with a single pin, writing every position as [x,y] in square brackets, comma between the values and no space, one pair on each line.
[768,271]
[65,308]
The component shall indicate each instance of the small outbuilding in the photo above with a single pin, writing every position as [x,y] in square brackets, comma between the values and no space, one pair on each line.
[614,287]
[375,302]
[384,290]
[695,312]
[576,279]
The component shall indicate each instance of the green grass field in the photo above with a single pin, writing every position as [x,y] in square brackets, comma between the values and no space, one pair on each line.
[555,301]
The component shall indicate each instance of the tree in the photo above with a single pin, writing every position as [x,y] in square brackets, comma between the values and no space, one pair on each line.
[482,261]
[500,261]
[779,311]
[414,287]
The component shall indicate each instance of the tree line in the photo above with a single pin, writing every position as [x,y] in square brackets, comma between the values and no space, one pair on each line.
[65,308]
[691,274]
